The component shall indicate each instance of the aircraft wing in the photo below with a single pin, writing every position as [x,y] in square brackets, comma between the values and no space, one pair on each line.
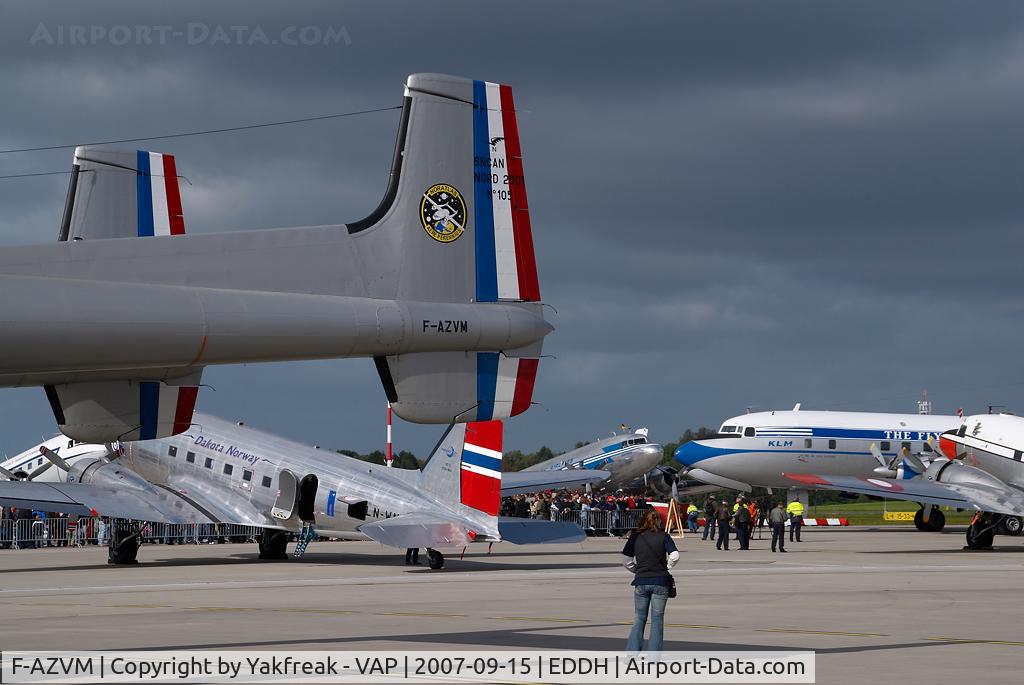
[521,482]
[960,495]
[103,500]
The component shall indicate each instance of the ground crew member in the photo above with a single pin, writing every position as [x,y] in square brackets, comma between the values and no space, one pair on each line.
[723,516]
[691,517]
[796,518]
[777,519]
[710,514]
[742,518]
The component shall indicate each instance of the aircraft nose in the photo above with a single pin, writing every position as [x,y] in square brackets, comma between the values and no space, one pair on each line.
[689,453]
[947,446]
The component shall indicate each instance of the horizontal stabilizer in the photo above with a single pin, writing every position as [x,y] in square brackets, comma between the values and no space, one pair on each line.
[538,532]
[122,194]
[420,530]
[523,482]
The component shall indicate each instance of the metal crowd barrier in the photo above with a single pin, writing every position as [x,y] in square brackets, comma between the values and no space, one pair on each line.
[80,531]
[603,521]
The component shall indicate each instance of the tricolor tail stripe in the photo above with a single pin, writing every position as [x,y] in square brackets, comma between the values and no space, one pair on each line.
[163,407]
[506,267]
[504,385]
[480,472]
[158,195]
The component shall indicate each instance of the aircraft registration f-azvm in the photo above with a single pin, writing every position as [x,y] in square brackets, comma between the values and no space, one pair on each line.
[118,319]
[224,472]
[758,449]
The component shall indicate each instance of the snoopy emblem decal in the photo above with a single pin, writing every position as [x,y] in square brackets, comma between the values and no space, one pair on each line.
[443,213]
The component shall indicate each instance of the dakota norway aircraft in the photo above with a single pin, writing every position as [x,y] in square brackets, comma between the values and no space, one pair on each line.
[757,449]
[221,472]
[624,458]
[980,467]
[118,319]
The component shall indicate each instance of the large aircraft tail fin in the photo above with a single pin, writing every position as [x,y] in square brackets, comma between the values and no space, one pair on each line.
[122,194]
[464,473]
[455,225]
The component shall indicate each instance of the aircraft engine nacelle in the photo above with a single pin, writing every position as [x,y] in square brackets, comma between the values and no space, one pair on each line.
[660,480]
[102,471]
[956,472]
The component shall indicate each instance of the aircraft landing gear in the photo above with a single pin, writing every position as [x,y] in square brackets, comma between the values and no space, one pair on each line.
[274,544]
[435,559]
[936,521]
[123,547]
[1011,525]
[982,531]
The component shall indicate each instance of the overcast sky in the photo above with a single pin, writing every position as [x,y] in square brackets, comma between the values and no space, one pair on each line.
[734,203]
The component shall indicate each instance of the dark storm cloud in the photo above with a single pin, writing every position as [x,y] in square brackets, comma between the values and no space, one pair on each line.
[734,203]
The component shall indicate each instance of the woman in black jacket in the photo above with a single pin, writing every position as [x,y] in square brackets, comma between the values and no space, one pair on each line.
[649,554]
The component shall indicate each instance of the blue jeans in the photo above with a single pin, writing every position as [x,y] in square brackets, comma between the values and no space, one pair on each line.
[646,597]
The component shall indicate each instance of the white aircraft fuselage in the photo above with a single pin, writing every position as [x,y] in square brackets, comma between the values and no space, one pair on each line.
[756,449]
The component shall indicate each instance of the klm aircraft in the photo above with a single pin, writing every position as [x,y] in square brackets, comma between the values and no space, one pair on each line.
[757,449]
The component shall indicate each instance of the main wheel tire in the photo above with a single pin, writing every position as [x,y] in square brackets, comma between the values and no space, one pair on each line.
[1011,525]
[980,540]
[274,544]
[124,546]
[937,521]
[919,520]
[435,559]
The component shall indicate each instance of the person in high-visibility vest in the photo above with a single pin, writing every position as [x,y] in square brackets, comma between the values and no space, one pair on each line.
[691,517]
[796,519]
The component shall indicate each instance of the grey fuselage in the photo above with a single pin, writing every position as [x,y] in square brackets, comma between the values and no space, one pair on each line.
[270,462]
[627,457]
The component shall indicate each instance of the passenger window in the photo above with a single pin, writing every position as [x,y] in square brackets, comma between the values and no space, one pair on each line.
[808,443]
[228,468]
[172,450]
[190,457]
[246,475]
[831,444]
[266,481]
[906,446]
[71,443]
[209,463]
[926,446]
[748,432]
[886,446]
[963,430]
[1017,455]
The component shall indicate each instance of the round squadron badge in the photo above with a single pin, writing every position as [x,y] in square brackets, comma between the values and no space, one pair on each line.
[443,213]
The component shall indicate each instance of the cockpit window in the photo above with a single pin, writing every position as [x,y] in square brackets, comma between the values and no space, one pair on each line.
[728,429]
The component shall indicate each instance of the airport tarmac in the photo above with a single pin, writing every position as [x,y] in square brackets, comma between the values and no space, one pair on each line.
[895,603]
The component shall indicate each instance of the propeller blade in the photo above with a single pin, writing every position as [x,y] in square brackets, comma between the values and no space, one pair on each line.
[40,471]
[54,459]
[675,489]
[7,473]
[877,454]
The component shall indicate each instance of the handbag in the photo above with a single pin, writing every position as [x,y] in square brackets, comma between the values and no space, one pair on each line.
[671,587]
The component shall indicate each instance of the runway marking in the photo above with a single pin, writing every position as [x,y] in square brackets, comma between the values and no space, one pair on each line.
[690,625]
[136,606]
[818,632]
[420,613]
[537,618]
[975,641]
